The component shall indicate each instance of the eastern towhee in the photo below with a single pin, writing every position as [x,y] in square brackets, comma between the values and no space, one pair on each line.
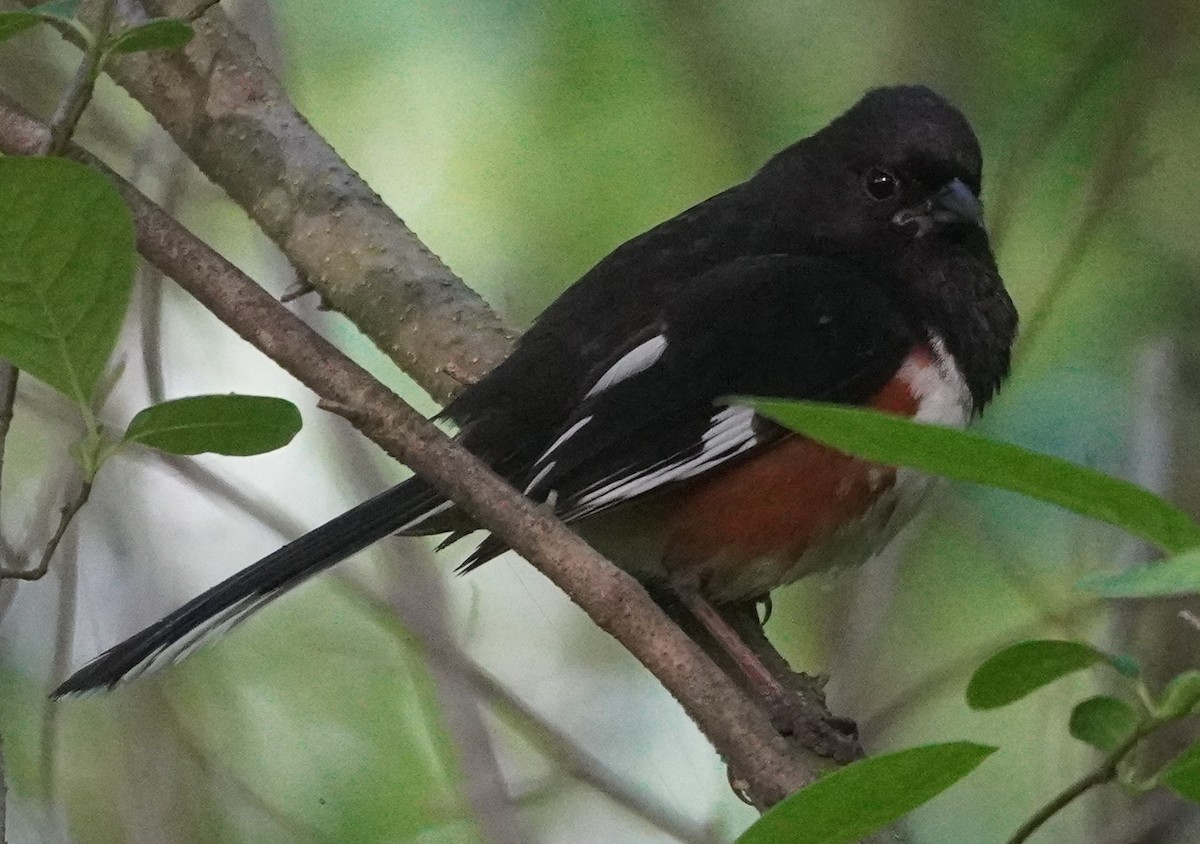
[853,268]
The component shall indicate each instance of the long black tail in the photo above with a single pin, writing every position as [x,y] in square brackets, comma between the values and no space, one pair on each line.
[403,507]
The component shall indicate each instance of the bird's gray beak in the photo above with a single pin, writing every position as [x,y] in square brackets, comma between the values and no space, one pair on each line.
[956,204]
[953,205]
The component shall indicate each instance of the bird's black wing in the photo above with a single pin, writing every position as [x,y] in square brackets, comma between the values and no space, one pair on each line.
[770,325]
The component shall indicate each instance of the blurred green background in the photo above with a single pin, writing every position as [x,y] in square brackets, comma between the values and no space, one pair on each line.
[522,141]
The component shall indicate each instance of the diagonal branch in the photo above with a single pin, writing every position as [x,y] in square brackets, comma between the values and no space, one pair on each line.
[615,601]
[231,116]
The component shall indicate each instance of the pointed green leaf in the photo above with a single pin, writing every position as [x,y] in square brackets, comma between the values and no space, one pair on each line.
[66,268]
[226,424]
[866,795]
[1179,575]
[1025,667]
[1181,697]
[969,457]
[1103,722]
[157,34]
[1183,774]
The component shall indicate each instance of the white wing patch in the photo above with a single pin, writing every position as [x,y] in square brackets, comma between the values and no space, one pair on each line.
[730,432]
[638,359]
[542,473]
[566,435]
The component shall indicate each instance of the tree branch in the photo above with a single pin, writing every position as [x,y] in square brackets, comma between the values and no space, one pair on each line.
[79,92]
[1106,772]
[614,600]
[231,116]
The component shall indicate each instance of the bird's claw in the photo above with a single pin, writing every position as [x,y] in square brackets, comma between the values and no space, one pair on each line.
[826,735]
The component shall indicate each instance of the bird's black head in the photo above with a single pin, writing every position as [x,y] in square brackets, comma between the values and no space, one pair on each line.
[894,184]
[900,165]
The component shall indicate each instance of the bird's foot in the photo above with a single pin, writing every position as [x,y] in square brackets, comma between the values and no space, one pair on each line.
[814,728]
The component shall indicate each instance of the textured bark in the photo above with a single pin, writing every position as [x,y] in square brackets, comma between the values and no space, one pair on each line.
[229,113]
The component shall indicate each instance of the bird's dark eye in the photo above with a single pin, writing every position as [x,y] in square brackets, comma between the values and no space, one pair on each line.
[881,185]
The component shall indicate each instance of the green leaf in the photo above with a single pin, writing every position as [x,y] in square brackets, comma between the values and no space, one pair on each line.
[969,457]
[1179,575]
[13,22]
[866,795]
[157,34]
[1181,697]
[66,268]
[226,424]
[1103,722]
[1025,667]
[1183,774]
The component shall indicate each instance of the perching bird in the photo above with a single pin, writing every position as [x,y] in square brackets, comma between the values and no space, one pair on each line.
[853,267]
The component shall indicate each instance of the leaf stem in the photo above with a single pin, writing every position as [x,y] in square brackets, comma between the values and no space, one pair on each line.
[1105,773]
[69,511]
[79,92]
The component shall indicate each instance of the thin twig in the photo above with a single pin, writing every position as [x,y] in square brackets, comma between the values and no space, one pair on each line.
[69,511]
[3,796]
[9,376]
[1018,164]
[1115,171]
[174,175]
[1101,775]
[549,739]
[213,767]
[151,312]
[421,610]
[79,92]
[417,597]
[64,635]
[201,7]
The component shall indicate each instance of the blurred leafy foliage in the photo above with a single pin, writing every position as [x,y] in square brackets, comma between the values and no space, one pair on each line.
[524,140]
